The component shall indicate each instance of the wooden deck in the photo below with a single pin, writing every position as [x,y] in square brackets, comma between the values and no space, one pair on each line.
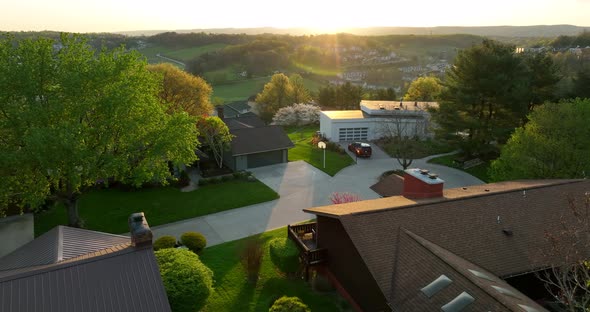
[305,237]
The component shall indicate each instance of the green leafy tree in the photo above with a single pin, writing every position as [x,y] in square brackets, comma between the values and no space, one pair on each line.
[182,91]
[424,89]
[383,95]
[553,144]
[289,304]
[216,136]
[484,98]
[74,117]
[277,93]
[299,93]
[542,77]
[187,280]
[581,87]
[345,96]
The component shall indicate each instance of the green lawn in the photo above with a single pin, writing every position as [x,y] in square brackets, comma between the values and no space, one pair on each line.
[233,292]
[240,90]
[318,69]
[107,210]
[479,171]
[303,150]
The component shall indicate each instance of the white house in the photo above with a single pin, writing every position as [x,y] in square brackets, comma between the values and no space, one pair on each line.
[377,119]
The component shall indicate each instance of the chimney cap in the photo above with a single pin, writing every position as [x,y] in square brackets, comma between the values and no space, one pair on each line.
[424,175]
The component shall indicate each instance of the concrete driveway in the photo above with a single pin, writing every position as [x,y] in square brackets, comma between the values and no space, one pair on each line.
[300,186]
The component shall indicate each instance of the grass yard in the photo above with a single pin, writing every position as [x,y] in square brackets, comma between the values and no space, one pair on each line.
[240,90]
[303,150]
[233,292]
[479,171]
[107,210]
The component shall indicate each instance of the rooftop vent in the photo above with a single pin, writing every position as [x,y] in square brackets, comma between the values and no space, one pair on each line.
[459,303]
[527,308]
[415,104]
[433,176]
[397,108]
[507,232]
[424,171]
[436,286]
[482,275]
[381,106]
[506,291]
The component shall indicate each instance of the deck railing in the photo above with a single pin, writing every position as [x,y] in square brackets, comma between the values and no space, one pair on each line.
[305,236]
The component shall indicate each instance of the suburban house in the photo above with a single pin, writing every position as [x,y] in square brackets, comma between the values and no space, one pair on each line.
[71,269]
[376,119]
[254,144]
[237,108]
[473,248]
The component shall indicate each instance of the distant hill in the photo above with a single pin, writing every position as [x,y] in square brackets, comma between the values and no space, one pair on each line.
[487,31]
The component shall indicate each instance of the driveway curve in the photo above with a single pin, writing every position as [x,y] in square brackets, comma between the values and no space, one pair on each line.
[301,186]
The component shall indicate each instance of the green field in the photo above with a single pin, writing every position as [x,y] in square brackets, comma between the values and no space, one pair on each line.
[107,210]
[318,70]
[185,55]
[240,90]
[233,292]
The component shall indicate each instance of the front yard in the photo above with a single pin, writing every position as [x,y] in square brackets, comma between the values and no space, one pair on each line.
[303,150]
[107,210]
[232,291]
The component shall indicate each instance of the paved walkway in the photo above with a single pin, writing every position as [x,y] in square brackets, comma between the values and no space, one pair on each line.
[300,186]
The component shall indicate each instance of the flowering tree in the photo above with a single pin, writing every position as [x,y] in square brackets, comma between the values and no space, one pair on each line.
[341,198]
[297,115]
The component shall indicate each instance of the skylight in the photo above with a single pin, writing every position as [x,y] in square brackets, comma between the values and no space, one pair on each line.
[459,303]
[527,308]
[505,291]
[482,275]
[436,286]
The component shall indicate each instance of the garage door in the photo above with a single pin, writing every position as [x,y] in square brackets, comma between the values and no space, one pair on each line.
[353,134]
[265,159]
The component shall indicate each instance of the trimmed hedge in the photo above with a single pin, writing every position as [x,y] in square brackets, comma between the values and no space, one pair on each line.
[187,280]
[284,254]
[289,304]
[194,241]
[166,241]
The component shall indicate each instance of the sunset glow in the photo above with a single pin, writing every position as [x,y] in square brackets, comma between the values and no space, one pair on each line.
[329,16]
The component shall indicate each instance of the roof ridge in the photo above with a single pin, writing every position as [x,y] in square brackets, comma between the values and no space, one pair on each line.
[33,270]
[499,297]
[430,201]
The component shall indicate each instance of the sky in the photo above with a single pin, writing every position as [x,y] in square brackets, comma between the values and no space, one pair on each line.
[321,15]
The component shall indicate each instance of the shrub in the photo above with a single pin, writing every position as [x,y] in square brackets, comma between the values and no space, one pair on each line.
[284,254]
[226,178]
[187,280]
[194,241]
[166,241]
[237,174]
[203,181]
[216,180]
[251,257]
[289,304]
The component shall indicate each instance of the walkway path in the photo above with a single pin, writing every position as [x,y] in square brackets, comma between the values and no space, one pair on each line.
[300,186]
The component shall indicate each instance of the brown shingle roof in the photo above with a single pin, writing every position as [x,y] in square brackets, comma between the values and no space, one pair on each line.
[419,262]
[391,185]
[468,222]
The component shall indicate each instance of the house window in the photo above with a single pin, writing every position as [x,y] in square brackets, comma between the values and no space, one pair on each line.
[353,134]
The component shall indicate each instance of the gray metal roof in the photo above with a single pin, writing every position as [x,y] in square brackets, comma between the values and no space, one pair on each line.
[113,279]
[59,244]
[259,140]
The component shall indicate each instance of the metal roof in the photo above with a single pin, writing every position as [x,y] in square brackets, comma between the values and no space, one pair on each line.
[58,244]
[114,279]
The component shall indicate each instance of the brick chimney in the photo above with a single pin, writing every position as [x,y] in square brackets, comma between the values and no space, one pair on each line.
[141,235]
[420,183]
[220,111]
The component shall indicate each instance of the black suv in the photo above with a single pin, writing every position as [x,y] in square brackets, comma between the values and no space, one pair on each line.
[360,149]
